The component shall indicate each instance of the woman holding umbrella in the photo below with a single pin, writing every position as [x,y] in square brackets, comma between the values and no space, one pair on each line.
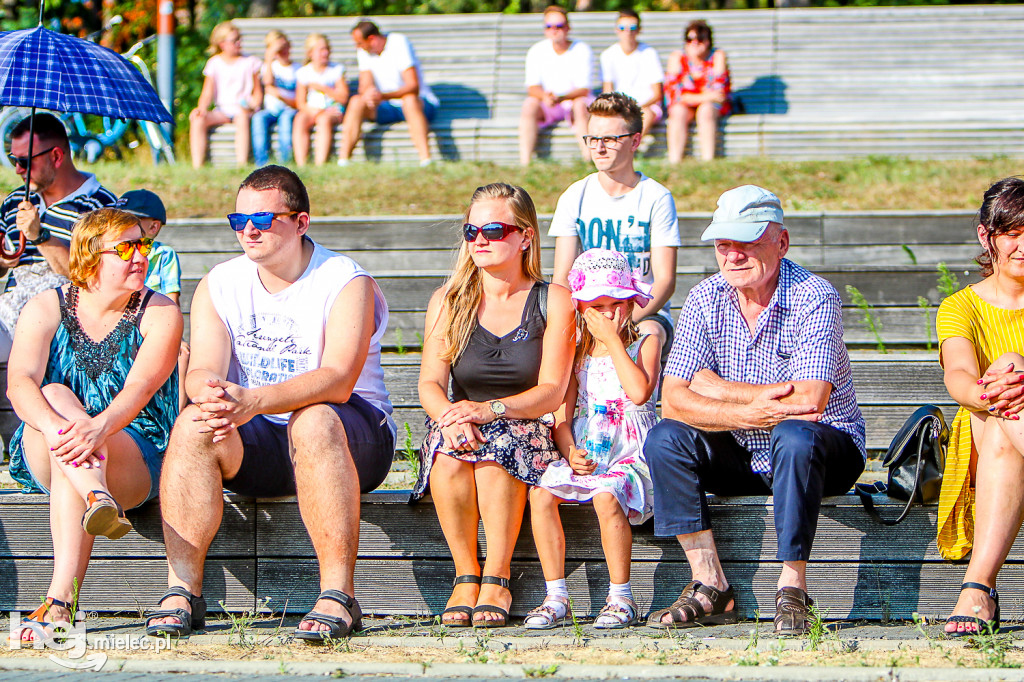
[92,375]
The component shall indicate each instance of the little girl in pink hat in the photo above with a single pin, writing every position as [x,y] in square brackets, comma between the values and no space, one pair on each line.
[600,430]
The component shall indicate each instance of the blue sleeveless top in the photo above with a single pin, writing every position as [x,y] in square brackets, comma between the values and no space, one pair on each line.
[96,372]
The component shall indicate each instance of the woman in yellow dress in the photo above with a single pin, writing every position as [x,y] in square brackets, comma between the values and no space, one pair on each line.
[981,339]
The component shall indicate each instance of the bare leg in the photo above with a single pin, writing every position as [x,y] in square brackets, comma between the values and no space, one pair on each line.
[548,534]
[453,489]
[616,536]
[242,135]
[580,118]
[998,510]
[356,112]
[707,130]
[200,125]
[327,485]
[529,123]
[191,501]
[302,125]
[702,556]
[129,483]
[501,510]
[184,353]
[325,122]
[677,132]
[419,128]
[649,121]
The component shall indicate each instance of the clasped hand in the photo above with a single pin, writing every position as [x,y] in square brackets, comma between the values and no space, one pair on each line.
[580,463]
[767,408]
[458,425]
[223,406]
[76,442]
[1003,390]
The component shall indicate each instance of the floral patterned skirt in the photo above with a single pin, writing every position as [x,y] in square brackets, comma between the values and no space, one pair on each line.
[523,448]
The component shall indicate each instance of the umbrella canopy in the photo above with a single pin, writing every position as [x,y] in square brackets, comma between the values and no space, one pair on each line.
[49,70]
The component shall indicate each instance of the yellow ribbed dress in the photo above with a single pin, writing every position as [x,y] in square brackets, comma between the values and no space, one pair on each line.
[993,331]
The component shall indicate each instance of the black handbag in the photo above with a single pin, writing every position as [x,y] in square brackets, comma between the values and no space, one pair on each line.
[915,460]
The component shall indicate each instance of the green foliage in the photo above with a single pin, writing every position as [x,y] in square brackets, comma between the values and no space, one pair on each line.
[871,321]
[910,254]
[409,452]
[948,282]
[926,308]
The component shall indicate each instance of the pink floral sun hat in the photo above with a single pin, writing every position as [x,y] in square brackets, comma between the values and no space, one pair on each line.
[604,272]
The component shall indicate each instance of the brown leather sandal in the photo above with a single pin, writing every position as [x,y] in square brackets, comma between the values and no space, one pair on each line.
[688,612]
[792,612]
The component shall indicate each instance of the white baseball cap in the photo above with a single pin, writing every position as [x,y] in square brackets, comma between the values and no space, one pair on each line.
[743,214]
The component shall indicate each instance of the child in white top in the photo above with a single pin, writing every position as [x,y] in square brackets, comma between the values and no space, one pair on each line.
[612,394]
[231,83]
[321,94]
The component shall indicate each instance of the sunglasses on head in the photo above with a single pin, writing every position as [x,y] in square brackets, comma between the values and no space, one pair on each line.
[124,250]
[492,231]
[24,161]
[694,38]
[554,26]
[628,27]
[261,220]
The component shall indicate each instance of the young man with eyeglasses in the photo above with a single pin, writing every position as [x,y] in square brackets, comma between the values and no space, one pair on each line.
[59,195]
[558,83]
[287,398]
[633,68]
[622,209]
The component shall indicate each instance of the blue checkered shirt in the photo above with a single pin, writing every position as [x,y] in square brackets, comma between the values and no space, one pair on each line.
[798,337]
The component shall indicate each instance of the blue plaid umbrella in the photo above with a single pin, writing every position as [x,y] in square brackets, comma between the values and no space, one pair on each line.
[49,70]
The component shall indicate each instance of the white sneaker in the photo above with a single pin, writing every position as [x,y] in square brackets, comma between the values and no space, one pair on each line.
[426,162]
[343,162]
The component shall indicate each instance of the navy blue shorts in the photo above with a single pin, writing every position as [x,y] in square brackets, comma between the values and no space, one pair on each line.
[267,469]
[390,111]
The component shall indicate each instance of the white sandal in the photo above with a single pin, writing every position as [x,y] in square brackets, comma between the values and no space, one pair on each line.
[618,613]
[545,616]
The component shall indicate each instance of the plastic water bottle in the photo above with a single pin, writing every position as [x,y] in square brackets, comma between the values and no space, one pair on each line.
[599,440]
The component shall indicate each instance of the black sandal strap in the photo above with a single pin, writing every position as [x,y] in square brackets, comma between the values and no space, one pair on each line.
[338,596]
[469,578]
[178,591]
[494,580]
[59,603]
[991,591]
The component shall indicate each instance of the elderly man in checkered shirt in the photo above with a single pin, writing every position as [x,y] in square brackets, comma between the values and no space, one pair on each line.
[757,399]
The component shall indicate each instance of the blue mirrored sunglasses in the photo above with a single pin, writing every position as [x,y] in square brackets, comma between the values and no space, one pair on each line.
[261,220]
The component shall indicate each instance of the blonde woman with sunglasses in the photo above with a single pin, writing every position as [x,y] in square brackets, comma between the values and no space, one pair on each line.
[92,376]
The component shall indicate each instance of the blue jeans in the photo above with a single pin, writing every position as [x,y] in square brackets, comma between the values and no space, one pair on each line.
[263,122]
[809,460]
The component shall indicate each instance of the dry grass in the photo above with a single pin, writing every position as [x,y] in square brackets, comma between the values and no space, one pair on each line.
[876,183]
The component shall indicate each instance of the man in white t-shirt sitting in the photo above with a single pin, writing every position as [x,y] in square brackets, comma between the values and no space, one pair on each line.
[287,398]
[622,209]
[633,68]
[391,89]
[558,82]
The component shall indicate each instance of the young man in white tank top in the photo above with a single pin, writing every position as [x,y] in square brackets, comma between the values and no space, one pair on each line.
[287,397]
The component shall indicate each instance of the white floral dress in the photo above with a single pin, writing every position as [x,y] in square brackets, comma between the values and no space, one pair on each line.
[627,477]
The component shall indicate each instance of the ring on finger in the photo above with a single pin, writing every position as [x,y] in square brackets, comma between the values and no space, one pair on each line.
[462,439]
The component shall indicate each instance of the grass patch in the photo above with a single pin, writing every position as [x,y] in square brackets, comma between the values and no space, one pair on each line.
[874,183]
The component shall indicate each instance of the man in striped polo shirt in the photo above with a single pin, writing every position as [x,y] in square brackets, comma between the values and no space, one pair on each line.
[758,399]
[60,193]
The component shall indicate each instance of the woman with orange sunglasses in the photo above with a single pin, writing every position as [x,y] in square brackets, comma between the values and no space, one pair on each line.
[92,375]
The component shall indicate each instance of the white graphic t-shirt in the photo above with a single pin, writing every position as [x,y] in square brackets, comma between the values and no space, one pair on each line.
[276,337]
[632,224]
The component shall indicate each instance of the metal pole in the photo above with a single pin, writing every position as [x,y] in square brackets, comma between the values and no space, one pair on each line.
[165,60]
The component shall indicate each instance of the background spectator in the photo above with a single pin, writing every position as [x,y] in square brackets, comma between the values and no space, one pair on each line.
[697,86]
[633,68]
[232,86]
[278,77]
[321,94]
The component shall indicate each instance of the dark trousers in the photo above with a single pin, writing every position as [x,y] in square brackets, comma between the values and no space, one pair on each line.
[809,460]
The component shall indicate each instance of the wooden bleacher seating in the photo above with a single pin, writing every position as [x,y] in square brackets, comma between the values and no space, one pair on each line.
[816,83]
[859,569]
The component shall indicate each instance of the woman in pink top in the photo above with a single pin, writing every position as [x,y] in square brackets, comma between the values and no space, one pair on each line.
[232,85]
[697,87]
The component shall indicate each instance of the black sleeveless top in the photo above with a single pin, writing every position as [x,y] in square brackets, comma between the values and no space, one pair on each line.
[493,367]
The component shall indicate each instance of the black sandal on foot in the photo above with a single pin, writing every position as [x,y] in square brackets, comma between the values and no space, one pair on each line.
[337,628]
[189,622]
[490,608]
[688,612]
[35,620]
[792,612]
[984,627]
[468,610]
